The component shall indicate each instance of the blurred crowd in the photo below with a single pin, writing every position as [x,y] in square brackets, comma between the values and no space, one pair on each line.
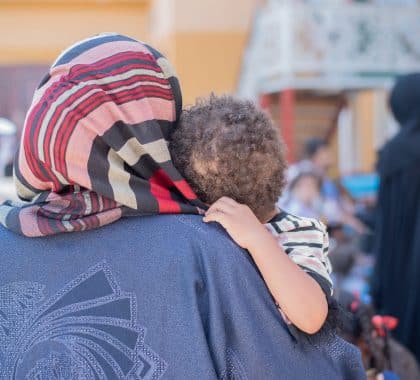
[8,140]
[351,223]
[8,133]
[374,241]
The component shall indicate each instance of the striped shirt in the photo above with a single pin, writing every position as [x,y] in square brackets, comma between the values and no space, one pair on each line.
[305,241]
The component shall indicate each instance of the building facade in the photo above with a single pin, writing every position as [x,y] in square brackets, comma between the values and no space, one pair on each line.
[204,40]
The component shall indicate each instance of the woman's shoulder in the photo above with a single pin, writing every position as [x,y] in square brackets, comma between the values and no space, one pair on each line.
[169,232]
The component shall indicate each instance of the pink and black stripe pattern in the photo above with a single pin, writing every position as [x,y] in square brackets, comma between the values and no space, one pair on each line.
[94,145]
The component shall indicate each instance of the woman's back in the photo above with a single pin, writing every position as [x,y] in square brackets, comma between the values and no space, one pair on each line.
[149,298]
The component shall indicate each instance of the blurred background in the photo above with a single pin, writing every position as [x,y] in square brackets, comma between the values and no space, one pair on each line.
[323,69]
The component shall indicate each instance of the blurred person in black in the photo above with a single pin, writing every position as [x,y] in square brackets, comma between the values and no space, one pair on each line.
[396,280]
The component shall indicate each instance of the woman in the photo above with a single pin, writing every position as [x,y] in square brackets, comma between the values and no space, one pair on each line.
[145,297]
[396,286]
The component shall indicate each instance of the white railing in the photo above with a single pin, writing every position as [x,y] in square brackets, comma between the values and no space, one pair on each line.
[307,41]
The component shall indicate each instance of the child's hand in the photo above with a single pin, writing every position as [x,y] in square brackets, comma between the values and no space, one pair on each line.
[239,221]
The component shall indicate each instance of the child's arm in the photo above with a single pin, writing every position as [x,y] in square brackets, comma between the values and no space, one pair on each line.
[298,295]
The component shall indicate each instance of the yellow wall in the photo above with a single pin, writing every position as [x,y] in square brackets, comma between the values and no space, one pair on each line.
[208,62]
[37,31]
[205,40]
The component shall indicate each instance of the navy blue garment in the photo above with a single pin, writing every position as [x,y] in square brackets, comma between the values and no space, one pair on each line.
[396,280]
[162,297]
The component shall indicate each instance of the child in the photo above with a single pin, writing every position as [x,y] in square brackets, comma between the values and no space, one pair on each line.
[383,357]
[304,196]
[231,154]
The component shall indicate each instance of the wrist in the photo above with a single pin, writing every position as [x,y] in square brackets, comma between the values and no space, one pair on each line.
[261,238]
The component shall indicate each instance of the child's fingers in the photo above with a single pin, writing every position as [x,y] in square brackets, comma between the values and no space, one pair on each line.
[221,206]
[229,201]
[216,216]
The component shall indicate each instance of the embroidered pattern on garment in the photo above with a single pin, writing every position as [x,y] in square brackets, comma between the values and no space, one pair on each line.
[87,331]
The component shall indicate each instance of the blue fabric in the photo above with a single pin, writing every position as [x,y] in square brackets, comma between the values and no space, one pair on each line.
[330,189]
[389,375]
[162,297]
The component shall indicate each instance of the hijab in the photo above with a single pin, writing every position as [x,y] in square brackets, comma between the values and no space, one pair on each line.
[404,149]
[94,146]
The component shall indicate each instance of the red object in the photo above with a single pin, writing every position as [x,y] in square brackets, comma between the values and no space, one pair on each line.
[354,306]
[384,323]
[356,302]
[287,121]
[265,102]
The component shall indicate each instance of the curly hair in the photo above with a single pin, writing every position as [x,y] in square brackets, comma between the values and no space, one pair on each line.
[357,328]
[225,146]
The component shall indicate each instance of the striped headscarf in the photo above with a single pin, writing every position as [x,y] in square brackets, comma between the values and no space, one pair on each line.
[94,144]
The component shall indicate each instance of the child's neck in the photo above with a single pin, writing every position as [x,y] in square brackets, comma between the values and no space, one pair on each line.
[271,215]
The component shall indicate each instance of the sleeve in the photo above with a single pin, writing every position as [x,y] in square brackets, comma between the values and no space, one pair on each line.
[305,241]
